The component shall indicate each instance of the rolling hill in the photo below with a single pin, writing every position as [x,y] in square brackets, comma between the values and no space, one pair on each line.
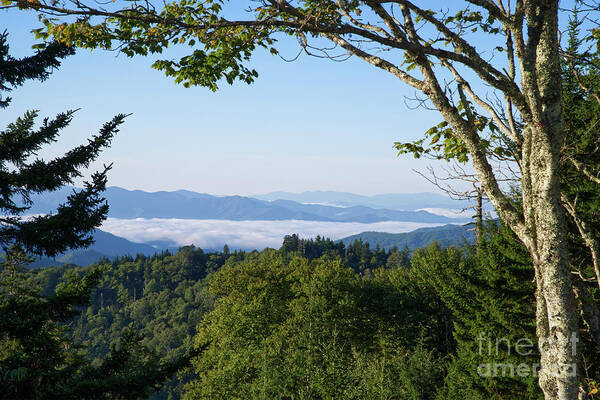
[106,245]
[110,246]
[446,235]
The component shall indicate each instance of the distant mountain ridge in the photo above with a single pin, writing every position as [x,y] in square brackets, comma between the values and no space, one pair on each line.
[360,213]
[129,204]
[106,245]
[184,204]
[391,201]
[447,235]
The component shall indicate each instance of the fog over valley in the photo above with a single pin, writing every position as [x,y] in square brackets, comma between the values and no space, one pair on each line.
[213,234]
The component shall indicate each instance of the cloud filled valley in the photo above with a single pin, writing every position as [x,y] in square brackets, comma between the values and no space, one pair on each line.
[211,233]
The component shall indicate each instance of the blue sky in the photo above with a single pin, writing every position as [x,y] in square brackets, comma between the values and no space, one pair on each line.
[311,124]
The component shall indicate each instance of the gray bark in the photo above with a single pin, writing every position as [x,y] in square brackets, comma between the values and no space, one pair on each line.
[542,227]
[557,323]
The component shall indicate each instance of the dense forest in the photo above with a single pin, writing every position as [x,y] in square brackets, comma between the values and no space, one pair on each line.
[316,319]
[513,315]
[164,297]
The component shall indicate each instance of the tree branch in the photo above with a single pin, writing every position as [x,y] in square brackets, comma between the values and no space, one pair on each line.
[588,237]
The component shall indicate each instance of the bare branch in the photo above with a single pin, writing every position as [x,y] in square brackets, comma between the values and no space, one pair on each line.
[590,241]
[377,61]
[581,168]
[469,135]
[495,117]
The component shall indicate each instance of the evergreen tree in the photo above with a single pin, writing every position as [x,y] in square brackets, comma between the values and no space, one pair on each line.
[37,361]
[22,174]
[581,194]
[490,294]
[398,258]
[290,243]
[581,163]
[14,72]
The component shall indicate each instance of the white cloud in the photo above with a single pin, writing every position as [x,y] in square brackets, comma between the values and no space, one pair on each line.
[488,212]
[327,204]
[208,233]
[448,212]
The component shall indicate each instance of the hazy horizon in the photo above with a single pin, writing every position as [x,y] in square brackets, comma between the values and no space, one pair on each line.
[233,193]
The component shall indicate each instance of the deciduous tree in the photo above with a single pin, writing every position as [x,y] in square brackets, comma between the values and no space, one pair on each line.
[491,68]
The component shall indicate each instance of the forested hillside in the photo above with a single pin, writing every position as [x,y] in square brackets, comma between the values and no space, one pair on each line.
[164,297]
[316,319]
[447,235]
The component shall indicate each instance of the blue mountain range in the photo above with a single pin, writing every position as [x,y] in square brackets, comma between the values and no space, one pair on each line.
[309,206]
[190,205]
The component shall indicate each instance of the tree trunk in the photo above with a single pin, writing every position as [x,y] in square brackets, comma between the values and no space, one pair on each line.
[556,314]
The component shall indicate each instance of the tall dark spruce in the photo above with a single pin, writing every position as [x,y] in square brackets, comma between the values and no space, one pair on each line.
[37,361]
[23,174]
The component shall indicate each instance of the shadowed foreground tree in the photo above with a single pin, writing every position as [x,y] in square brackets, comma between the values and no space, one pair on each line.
[491,68]
[23,174]
[489,290]
[37,361]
